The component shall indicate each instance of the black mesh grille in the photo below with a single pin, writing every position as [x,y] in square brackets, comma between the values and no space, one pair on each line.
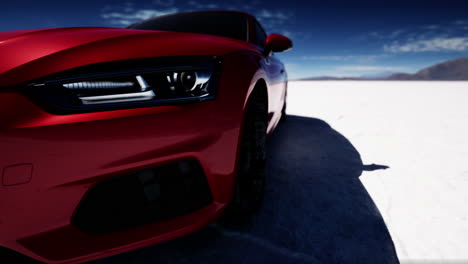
[143,197]
[8,256]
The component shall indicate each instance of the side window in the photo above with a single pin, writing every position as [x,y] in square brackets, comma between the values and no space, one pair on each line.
[260,35]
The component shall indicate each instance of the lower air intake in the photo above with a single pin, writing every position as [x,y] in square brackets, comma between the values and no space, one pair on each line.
[143,197]
[8,256]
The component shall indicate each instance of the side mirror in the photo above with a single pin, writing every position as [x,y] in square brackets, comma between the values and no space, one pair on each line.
[278,43]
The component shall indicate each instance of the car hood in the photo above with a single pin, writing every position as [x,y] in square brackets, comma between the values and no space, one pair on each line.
[31,54]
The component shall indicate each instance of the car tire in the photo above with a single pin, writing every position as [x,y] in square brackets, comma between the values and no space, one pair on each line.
[250,184]
[284,117]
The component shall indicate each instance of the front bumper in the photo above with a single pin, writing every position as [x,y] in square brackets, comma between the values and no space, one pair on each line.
[66,155]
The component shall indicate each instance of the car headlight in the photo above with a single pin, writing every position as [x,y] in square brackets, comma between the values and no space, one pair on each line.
[128,85]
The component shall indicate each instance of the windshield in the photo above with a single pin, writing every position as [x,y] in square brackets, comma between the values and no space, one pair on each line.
[225,24]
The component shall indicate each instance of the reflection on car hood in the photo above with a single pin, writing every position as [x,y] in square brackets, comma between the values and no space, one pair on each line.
[31,54]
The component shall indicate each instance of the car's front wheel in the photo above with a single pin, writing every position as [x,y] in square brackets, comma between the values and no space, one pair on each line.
[283,112]
[250,185]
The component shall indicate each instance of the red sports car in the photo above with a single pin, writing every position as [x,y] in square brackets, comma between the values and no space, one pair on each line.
[113,139]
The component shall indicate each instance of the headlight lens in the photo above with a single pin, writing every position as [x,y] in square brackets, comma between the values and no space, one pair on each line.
[142,87]
[127,88]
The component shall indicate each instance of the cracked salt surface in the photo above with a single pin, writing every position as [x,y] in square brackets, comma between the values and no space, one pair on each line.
[420,130]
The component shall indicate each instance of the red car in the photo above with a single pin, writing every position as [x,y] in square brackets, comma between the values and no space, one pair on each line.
[114,139]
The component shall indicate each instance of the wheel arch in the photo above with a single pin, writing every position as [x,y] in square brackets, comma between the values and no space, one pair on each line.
[259,88]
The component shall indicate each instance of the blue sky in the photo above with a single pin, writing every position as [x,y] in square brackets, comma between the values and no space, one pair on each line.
[337,38]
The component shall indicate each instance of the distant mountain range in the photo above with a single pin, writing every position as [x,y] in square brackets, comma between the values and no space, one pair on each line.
[451,70]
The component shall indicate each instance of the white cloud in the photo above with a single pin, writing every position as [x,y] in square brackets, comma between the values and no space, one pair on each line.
[127,17]
[107,8]
[288,34]
[461,22]
[423,32]
[371,68]
[389,35]
[436,44]
[432,27]
[396,33]
[357,58]
[199,5]
[165,3]
[273,20]
[272,15]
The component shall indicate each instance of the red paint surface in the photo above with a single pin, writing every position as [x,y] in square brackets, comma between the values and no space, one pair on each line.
[279,42]
[70,153]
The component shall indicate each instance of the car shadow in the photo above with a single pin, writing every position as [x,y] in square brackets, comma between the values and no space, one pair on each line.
[316,210]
